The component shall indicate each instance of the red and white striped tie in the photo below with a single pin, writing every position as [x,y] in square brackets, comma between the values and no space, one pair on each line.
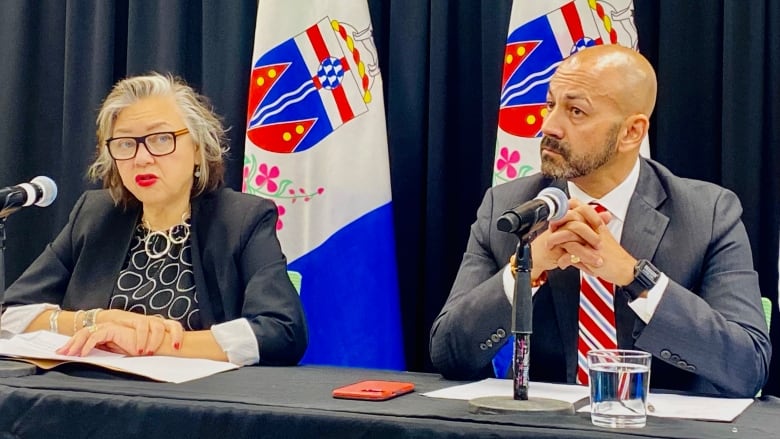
[596,317]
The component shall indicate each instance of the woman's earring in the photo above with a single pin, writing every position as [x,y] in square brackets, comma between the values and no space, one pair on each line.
[197,171]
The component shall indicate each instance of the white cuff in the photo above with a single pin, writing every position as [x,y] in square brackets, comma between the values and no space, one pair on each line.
[645,307]
[17,318]
[509,283]
[238,341]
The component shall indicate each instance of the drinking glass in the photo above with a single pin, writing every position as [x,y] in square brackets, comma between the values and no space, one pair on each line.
[619,383]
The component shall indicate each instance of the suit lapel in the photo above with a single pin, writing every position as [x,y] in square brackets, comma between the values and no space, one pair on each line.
[642,232]
[107,261]
[200,210]
[645,225]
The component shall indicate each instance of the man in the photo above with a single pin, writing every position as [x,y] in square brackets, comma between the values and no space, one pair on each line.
[696,302]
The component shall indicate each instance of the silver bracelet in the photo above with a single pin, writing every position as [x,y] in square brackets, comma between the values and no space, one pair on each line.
[53,321]
[90,317]
[76,320]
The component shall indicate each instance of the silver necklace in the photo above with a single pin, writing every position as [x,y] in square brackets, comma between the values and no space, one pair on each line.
[175,235]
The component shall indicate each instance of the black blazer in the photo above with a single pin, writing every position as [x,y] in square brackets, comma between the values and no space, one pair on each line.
[238,264]
[708,333]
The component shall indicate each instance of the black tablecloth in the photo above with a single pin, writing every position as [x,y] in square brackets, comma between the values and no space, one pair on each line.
[78,401]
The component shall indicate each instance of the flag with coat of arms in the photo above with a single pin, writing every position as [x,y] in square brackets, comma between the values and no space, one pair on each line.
[542,33]
[316,145]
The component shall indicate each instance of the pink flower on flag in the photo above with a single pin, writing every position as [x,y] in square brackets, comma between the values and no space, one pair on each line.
[507,160]
[266,177]
[243,180]
[281,210]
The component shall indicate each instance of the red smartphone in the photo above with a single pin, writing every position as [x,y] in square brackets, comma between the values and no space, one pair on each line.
[373,390]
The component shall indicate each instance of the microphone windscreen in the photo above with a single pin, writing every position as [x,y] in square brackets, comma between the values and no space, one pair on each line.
[48,190]
[559,198]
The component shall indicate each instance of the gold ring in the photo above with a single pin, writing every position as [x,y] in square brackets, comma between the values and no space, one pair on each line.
[574,259]
[92,329]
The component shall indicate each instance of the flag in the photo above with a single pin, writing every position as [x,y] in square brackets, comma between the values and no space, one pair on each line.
[316,145]
[542,33]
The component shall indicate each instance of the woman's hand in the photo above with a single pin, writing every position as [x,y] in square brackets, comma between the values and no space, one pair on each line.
[150,331]
[109,336]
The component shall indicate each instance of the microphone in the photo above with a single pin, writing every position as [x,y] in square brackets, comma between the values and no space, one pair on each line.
[40,191]
[550,204]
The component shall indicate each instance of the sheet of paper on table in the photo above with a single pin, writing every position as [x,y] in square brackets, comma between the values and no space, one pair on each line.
[665,405]
[496,387]
[659,404]
[41,345]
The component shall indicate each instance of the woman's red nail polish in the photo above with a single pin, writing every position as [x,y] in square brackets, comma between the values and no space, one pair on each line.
[176,345]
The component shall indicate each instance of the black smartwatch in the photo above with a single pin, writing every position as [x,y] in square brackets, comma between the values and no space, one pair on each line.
[645,277]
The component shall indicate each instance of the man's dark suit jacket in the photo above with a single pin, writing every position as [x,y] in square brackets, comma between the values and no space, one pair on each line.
[707,335]
[237,261]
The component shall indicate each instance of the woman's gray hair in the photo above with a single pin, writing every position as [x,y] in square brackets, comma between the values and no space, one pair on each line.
[204,126]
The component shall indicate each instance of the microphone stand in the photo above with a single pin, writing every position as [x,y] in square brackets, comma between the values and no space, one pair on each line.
[522,322]
[522,319]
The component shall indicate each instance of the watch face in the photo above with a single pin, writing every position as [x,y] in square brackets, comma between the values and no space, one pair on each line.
[647,274]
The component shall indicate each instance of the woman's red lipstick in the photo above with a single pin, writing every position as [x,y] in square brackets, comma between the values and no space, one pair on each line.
[145,180]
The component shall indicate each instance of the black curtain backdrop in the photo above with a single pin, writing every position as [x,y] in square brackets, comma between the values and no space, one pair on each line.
[718,65]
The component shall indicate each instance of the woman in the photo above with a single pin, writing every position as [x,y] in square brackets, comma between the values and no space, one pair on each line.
[163,261]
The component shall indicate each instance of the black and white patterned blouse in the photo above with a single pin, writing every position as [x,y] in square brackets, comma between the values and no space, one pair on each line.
[164,285]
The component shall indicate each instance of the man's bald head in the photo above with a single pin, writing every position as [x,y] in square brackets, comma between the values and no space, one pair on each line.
[620,72]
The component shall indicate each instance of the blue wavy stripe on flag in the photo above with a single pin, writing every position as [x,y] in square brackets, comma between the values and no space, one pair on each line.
[350,295]
[529,83]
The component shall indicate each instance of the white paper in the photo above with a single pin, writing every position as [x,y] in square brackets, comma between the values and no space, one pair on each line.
[43,344]
[570,393]
[702,408]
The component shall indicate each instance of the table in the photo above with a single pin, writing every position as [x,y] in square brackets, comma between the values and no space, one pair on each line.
[85,402]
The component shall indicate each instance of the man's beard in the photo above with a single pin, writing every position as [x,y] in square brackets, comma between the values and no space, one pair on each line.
[571,165]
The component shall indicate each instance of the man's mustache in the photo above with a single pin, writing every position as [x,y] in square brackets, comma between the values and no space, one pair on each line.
[553,145]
